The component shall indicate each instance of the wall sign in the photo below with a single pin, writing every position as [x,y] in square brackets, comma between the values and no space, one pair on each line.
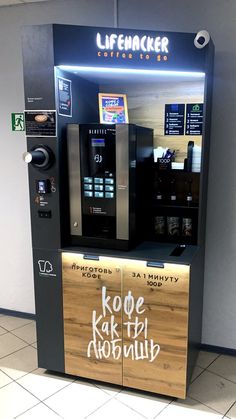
[174,119]
[194,119]
[127,46]
[64,95]
[40,123]
[17,122]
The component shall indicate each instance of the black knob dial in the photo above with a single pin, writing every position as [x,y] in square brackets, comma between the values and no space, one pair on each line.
[39,157]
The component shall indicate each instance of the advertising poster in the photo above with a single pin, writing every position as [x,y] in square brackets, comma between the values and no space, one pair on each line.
[64,97]
[113,108]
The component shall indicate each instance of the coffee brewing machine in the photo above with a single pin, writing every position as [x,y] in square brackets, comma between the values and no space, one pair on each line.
[105,166]
[118,207]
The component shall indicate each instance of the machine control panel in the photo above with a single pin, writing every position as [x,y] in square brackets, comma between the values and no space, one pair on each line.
[42,159]
[97,180]
[97,187]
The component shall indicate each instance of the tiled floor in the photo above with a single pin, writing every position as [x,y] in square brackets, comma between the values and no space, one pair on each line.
[27,392]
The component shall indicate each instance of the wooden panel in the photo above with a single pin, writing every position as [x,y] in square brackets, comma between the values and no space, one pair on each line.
[140,322]
[155,334]
[88,324]
[146,107]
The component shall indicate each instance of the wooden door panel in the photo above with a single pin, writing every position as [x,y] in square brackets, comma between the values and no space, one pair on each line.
[92,330]
[155,335]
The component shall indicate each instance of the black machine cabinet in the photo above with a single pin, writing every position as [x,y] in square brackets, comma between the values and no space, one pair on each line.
[106,192]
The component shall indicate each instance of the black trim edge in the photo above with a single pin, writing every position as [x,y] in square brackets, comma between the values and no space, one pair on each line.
[218,349]
[14,313]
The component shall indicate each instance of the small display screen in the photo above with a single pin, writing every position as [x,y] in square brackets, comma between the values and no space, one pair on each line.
[41,186]
[98,142]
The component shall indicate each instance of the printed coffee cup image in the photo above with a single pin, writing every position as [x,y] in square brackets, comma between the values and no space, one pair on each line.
[41,118]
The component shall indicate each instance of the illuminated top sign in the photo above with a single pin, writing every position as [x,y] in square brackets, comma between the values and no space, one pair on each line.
[123,42]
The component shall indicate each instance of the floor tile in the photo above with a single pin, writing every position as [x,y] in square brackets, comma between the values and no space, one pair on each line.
[2,331]
[43,384]
[4,380]
[11,323]
[14,400]
[27,332]
[196,372]
[225,366]
[77,400]
[145,404]
[115,410]
[111,390]
[206,358]
[20,363]
[9,344]
[39,412]
[214,391]
[232,412]
[188,409]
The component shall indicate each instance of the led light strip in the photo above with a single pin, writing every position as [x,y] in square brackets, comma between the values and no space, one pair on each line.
[117,70]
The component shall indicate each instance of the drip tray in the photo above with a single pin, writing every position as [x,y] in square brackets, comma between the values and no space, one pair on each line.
[178,250]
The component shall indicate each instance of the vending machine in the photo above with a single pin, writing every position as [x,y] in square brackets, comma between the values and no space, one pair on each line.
[106,166]
[118,208]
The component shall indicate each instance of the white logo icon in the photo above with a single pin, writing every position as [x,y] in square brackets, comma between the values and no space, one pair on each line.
[45,267]
[98,158]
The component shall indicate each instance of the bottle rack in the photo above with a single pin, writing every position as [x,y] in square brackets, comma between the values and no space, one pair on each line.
[174,218]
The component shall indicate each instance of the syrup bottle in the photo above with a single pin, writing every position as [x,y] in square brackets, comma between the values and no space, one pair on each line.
[172,192]
[159,195]
[189,196]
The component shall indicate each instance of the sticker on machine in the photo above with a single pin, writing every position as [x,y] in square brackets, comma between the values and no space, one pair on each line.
[41,123]
[45,268]
[97,211]
[64,95]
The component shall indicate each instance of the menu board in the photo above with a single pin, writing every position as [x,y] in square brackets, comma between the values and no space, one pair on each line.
[194,119]
[174,119]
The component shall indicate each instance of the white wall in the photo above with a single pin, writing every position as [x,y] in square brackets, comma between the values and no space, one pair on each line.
[16,275]
[16,283]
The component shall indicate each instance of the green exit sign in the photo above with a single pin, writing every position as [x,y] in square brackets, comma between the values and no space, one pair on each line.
[18,122]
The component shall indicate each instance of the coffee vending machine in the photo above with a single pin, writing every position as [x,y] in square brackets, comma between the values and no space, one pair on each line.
[107,165]
[118,235]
